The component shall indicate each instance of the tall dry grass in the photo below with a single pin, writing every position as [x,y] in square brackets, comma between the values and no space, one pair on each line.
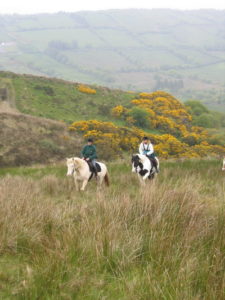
[165,241]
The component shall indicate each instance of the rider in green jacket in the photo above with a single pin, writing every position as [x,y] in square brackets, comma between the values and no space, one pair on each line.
[89,154]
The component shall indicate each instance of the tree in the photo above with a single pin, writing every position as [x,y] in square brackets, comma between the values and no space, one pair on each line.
[140,116]
[196,107]
[205,120]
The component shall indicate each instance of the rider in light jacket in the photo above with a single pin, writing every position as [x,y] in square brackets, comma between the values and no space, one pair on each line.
[146,148]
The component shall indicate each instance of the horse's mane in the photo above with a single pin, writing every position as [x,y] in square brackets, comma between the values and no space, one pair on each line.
[79,161]
[142,157]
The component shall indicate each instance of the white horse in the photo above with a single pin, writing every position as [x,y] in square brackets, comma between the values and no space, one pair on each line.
[80,170]
[142,165]
[223,168]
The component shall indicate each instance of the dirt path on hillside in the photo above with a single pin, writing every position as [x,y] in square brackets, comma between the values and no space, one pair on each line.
[5,107]
[7,97]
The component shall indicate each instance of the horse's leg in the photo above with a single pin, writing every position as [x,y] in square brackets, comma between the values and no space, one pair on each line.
[142,182]
[152,176]
[157,164]
[85,181]
[146,176]
[100,179]
[76,184]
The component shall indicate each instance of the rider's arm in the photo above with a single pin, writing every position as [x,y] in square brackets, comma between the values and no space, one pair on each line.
[141,149]
[94,154]
[151,149]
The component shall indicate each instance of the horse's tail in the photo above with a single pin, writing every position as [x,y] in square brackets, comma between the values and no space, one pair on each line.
[106,179]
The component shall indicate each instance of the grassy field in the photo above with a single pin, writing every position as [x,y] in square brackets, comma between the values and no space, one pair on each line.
[162,242]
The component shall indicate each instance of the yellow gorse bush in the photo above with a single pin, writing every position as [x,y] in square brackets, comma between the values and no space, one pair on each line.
[112,140]
[86,89]
[118,111]
[166,114]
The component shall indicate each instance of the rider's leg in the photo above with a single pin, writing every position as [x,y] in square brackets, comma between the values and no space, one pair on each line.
[155,162]
[94,166]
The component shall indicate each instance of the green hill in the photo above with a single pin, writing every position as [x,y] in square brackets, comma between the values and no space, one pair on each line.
[27,103]
[179,51]
[65,101]
[58,99]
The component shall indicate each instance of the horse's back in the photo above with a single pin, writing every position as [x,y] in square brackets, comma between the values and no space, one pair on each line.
[103,167]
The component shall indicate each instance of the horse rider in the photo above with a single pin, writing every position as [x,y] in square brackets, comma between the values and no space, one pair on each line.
[146,148]
[89,154]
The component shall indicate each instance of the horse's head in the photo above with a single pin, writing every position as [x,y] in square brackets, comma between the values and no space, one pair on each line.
[74,164]
[70,166]
[135,160]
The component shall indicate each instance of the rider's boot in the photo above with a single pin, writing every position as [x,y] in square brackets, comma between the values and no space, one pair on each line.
[156,166]
[95,172]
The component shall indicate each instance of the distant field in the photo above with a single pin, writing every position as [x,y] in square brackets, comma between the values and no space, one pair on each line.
[126,49]
[162,242]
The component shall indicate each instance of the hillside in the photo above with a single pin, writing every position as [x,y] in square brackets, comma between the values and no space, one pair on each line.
[179,51]
[26,140]
[58,99]
[36,113]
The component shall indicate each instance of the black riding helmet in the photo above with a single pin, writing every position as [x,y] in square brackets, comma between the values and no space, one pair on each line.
[145,138]
[90,140]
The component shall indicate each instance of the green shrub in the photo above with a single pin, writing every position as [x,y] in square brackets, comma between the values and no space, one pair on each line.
[205,120]
[140,116]
[50,146]
[46,89]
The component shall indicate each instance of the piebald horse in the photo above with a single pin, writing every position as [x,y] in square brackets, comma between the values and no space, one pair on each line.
[142,165]
[80,170]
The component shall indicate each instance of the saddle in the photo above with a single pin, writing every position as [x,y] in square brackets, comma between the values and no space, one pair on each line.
[92,169]
[153,161]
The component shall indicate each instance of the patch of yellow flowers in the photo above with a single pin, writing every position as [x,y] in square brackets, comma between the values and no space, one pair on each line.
[113,140]
[166,114]
[86,89]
